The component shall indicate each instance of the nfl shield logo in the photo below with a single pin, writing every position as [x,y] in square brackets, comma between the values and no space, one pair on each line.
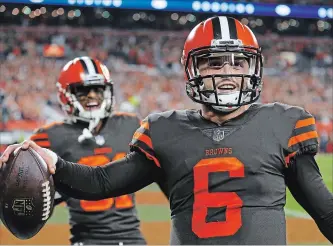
[23,206]
[218,135]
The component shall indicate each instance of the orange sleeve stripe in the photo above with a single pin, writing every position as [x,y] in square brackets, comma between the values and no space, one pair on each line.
[45,144]
[306,122]
[39,136]
[143,138]
[52,124]
[302,137]
[149,156]
[145,125]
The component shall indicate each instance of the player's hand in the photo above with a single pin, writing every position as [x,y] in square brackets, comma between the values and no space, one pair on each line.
[49,156]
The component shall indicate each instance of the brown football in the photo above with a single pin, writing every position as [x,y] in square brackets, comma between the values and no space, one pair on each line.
[26,194]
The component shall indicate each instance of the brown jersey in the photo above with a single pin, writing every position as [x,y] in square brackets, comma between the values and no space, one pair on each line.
[108,221]
[226,182]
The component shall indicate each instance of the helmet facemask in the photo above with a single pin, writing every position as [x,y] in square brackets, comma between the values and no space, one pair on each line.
[76,111]
[202,88]
[87,109]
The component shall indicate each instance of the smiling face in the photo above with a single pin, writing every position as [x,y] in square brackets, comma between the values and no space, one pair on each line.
[223,65]
[90,97]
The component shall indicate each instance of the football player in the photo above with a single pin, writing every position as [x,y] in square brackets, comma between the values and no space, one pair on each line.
[227,165]
[93,135]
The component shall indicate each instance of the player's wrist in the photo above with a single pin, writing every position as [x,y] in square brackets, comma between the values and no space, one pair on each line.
[53,156]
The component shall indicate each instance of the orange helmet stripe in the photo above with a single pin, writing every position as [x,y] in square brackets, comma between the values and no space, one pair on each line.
[245,34]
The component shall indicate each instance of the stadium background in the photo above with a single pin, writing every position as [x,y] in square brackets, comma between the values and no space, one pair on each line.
[141,45]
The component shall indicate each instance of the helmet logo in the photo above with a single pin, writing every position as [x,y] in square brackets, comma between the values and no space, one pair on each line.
[92,79]
[230,42]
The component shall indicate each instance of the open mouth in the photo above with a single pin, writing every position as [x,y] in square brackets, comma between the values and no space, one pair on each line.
[226,87]
[92,105]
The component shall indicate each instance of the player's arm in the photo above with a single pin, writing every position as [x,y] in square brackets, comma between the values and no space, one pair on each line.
[124,176]
[59,198]
[303,176]
[308,188]
[136,170]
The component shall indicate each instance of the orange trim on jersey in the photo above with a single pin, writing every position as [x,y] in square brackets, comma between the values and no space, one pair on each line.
[44,144]
[124,201]
[287,158]
[101,151]
[52,124]
[302,137]
[145,125]
[306,122]
[149,156]
[143,138]
[119,156]
[39,136]
[124,113]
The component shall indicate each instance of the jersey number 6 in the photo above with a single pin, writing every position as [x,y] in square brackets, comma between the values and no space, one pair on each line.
[203,199]
[124,201]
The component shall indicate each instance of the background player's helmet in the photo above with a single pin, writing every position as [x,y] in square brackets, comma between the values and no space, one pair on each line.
[221,36]
[85,71]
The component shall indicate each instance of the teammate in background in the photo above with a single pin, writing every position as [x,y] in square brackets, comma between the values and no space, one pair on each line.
[93,135]
[227,165]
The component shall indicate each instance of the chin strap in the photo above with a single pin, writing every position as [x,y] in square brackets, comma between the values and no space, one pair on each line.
[87,133]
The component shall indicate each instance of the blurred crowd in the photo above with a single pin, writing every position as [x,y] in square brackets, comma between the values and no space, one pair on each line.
[147,73]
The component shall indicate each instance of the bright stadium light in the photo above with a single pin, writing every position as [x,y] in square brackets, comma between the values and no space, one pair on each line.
[322,13]
[26,10]
[89,2]
[282,10]
[2,8]
[159,4]
[36,1]
[249,8]
[329,13]
[215,7]
[196,5]
[205,6]
[182,20]
[15,11]
[98,2]
[174,16]
[240,8]
[71,1]
[77,13]
[224,7]
[117,3]
[232,7]
[107,3]
[80,1]
[190,18]
[136,17]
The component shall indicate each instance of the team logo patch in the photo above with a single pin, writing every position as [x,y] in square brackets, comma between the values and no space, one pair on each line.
[218,134]
[23,207]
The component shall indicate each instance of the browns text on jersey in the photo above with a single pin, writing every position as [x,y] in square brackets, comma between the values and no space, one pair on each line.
[230,189]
